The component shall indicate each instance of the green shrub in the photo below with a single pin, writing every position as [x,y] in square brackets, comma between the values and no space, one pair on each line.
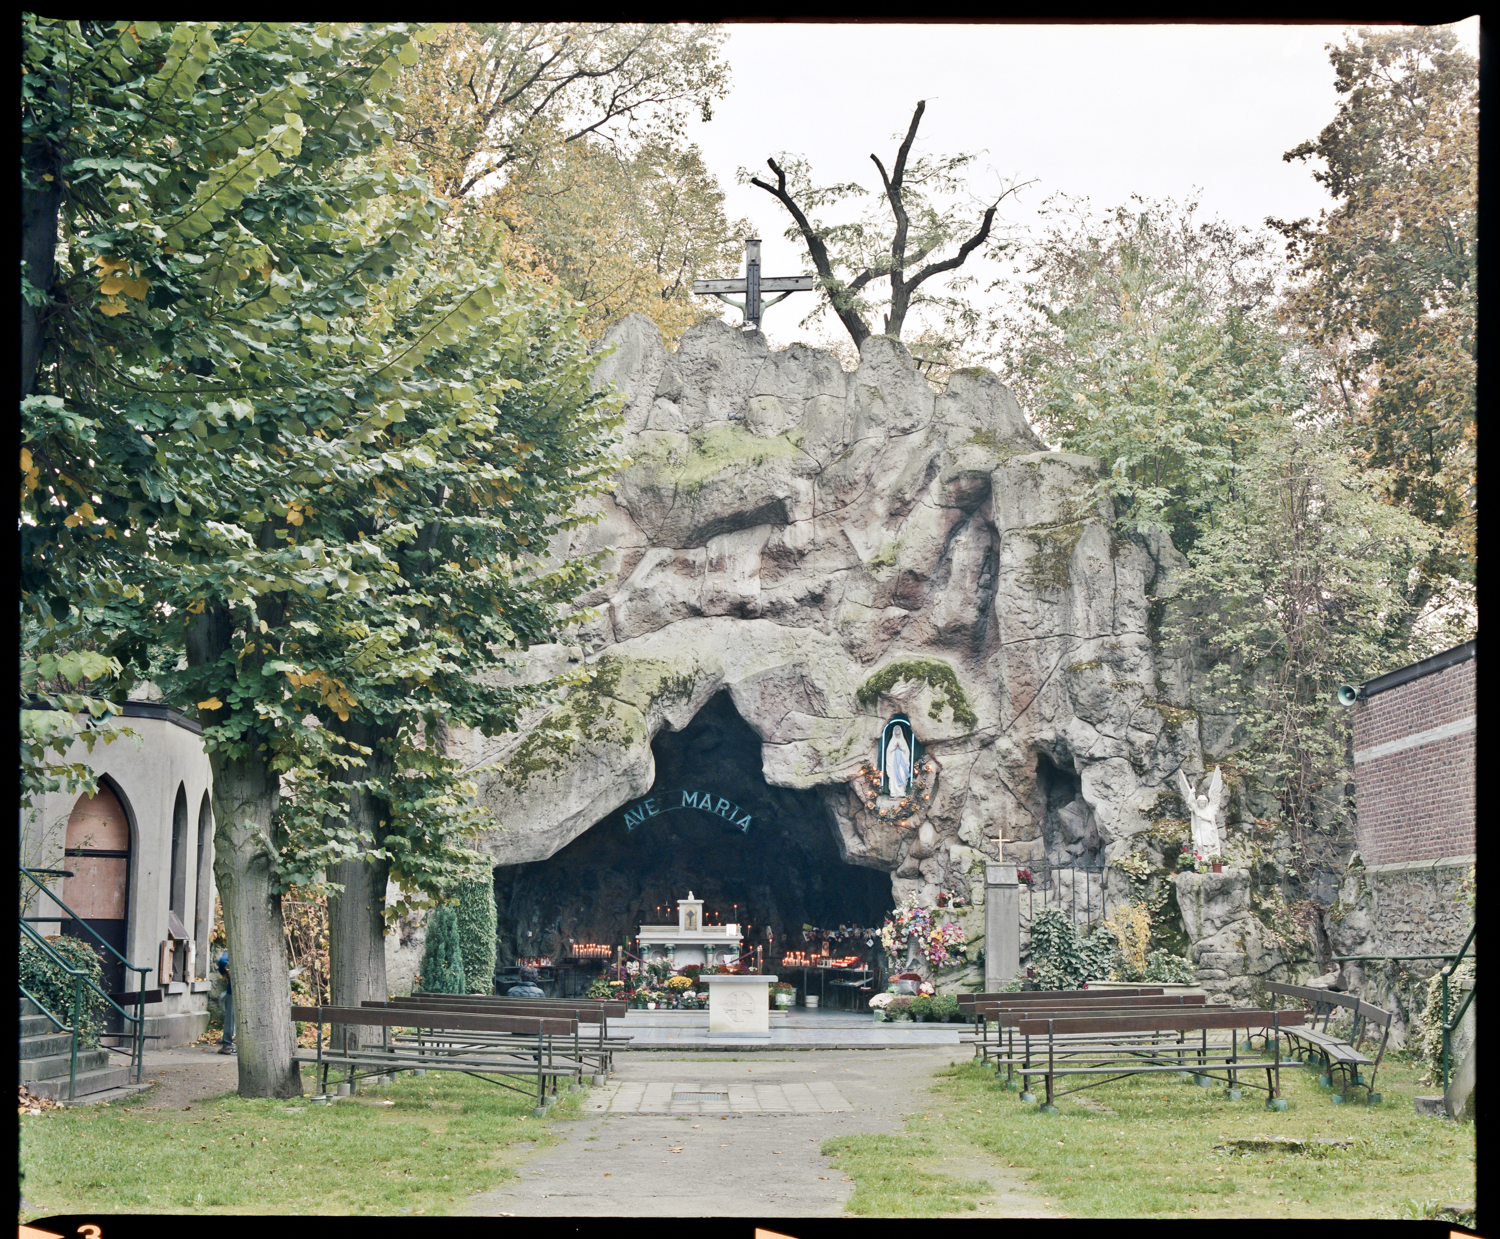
[476,934]
[945,1008]
[1164,968]
[442,957]
[921,1008]
[900,1007]
[53,987]
[1062,959]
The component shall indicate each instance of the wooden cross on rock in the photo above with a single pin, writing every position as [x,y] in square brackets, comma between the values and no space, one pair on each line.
[753,286]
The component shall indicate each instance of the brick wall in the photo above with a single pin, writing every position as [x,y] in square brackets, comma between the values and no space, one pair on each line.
[1416,797]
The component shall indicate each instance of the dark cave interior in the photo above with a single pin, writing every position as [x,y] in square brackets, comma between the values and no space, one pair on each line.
[780,873]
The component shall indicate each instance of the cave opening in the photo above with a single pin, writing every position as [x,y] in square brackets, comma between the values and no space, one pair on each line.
[1069,827]
[773,875]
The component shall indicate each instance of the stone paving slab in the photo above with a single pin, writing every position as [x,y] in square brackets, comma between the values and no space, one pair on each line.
[790,1097]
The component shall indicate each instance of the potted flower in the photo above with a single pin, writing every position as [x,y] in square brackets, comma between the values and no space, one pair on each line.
[783,995]
[899,1007]
[1023,876]
[879,1005]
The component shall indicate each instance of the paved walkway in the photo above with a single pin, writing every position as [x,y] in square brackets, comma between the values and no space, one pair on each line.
[717,1097]
[747,1146]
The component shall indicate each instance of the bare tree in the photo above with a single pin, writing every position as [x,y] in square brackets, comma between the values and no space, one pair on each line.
[921,230]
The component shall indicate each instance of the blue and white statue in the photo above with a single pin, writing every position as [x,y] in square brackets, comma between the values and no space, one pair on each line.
[898,763]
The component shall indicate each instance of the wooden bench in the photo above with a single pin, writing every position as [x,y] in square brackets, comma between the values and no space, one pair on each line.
[600,1047]
[968,1002]
[1337,1053]
[1005,1019]
[455,1041]
[979,1006]
[1110,1046]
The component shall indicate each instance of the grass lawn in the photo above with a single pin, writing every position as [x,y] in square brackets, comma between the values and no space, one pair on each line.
[1144,1147]
[442,1138]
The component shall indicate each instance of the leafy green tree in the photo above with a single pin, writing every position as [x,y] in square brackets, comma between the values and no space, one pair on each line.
[57,708]
[475,911]
[442,954]
[1151,340]
[623,234]
[567,137]
[1391,273]
[1144,338]
[276,427]
[488,97]
[851,259]
[1291,593]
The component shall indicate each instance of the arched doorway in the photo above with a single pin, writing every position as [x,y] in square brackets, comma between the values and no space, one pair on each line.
[780,871]
[97,847]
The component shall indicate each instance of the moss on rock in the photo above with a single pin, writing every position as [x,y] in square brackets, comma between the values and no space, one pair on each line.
[938,676]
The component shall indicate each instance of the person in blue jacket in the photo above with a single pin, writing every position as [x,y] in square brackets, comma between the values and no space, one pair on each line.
[226,1046]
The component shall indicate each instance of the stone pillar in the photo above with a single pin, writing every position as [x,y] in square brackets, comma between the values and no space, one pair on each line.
[1002,925]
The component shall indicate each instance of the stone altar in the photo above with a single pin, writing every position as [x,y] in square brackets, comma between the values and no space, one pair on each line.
[690,941]
[739,1005]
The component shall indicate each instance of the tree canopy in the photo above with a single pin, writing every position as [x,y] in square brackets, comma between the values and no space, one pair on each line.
[1143,339]
[568,136]
[1391,275]
[279,429]
[1150,339]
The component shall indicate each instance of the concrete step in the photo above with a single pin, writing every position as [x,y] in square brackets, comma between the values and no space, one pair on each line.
[44,1046]
[87,1083]
[36,1026]
[104,1095]
[55,1065]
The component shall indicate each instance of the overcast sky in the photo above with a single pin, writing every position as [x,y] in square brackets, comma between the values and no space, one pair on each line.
[1102,111]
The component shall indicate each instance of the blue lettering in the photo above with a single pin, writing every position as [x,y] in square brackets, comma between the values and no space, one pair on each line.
[721,806]
[689,800]
[650,803]
[632,820]
[744,823]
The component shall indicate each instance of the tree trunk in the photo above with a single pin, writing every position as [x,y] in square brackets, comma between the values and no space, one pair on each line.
[39,208]
[356,918]
[245,796]
[246,791]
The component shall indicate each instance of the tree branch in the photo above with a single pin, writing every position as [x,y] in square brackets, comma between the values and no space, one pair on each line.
[856,326]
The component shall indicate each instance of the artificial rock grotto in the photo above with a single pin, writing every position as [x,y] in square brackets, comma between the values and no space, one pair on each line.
[795,554]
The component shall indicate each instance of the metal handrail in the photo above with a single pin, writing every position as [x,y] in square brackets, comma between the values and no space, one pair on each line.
[137,1054]
[1450,1025]
[52,895]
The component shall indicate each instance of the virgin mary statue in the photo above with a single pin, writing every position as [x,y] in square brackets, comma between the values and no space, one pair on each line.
[898,763]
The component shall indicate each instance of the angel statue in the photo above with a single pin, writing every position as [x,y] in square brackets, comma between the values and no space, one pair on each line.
[1204,809]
